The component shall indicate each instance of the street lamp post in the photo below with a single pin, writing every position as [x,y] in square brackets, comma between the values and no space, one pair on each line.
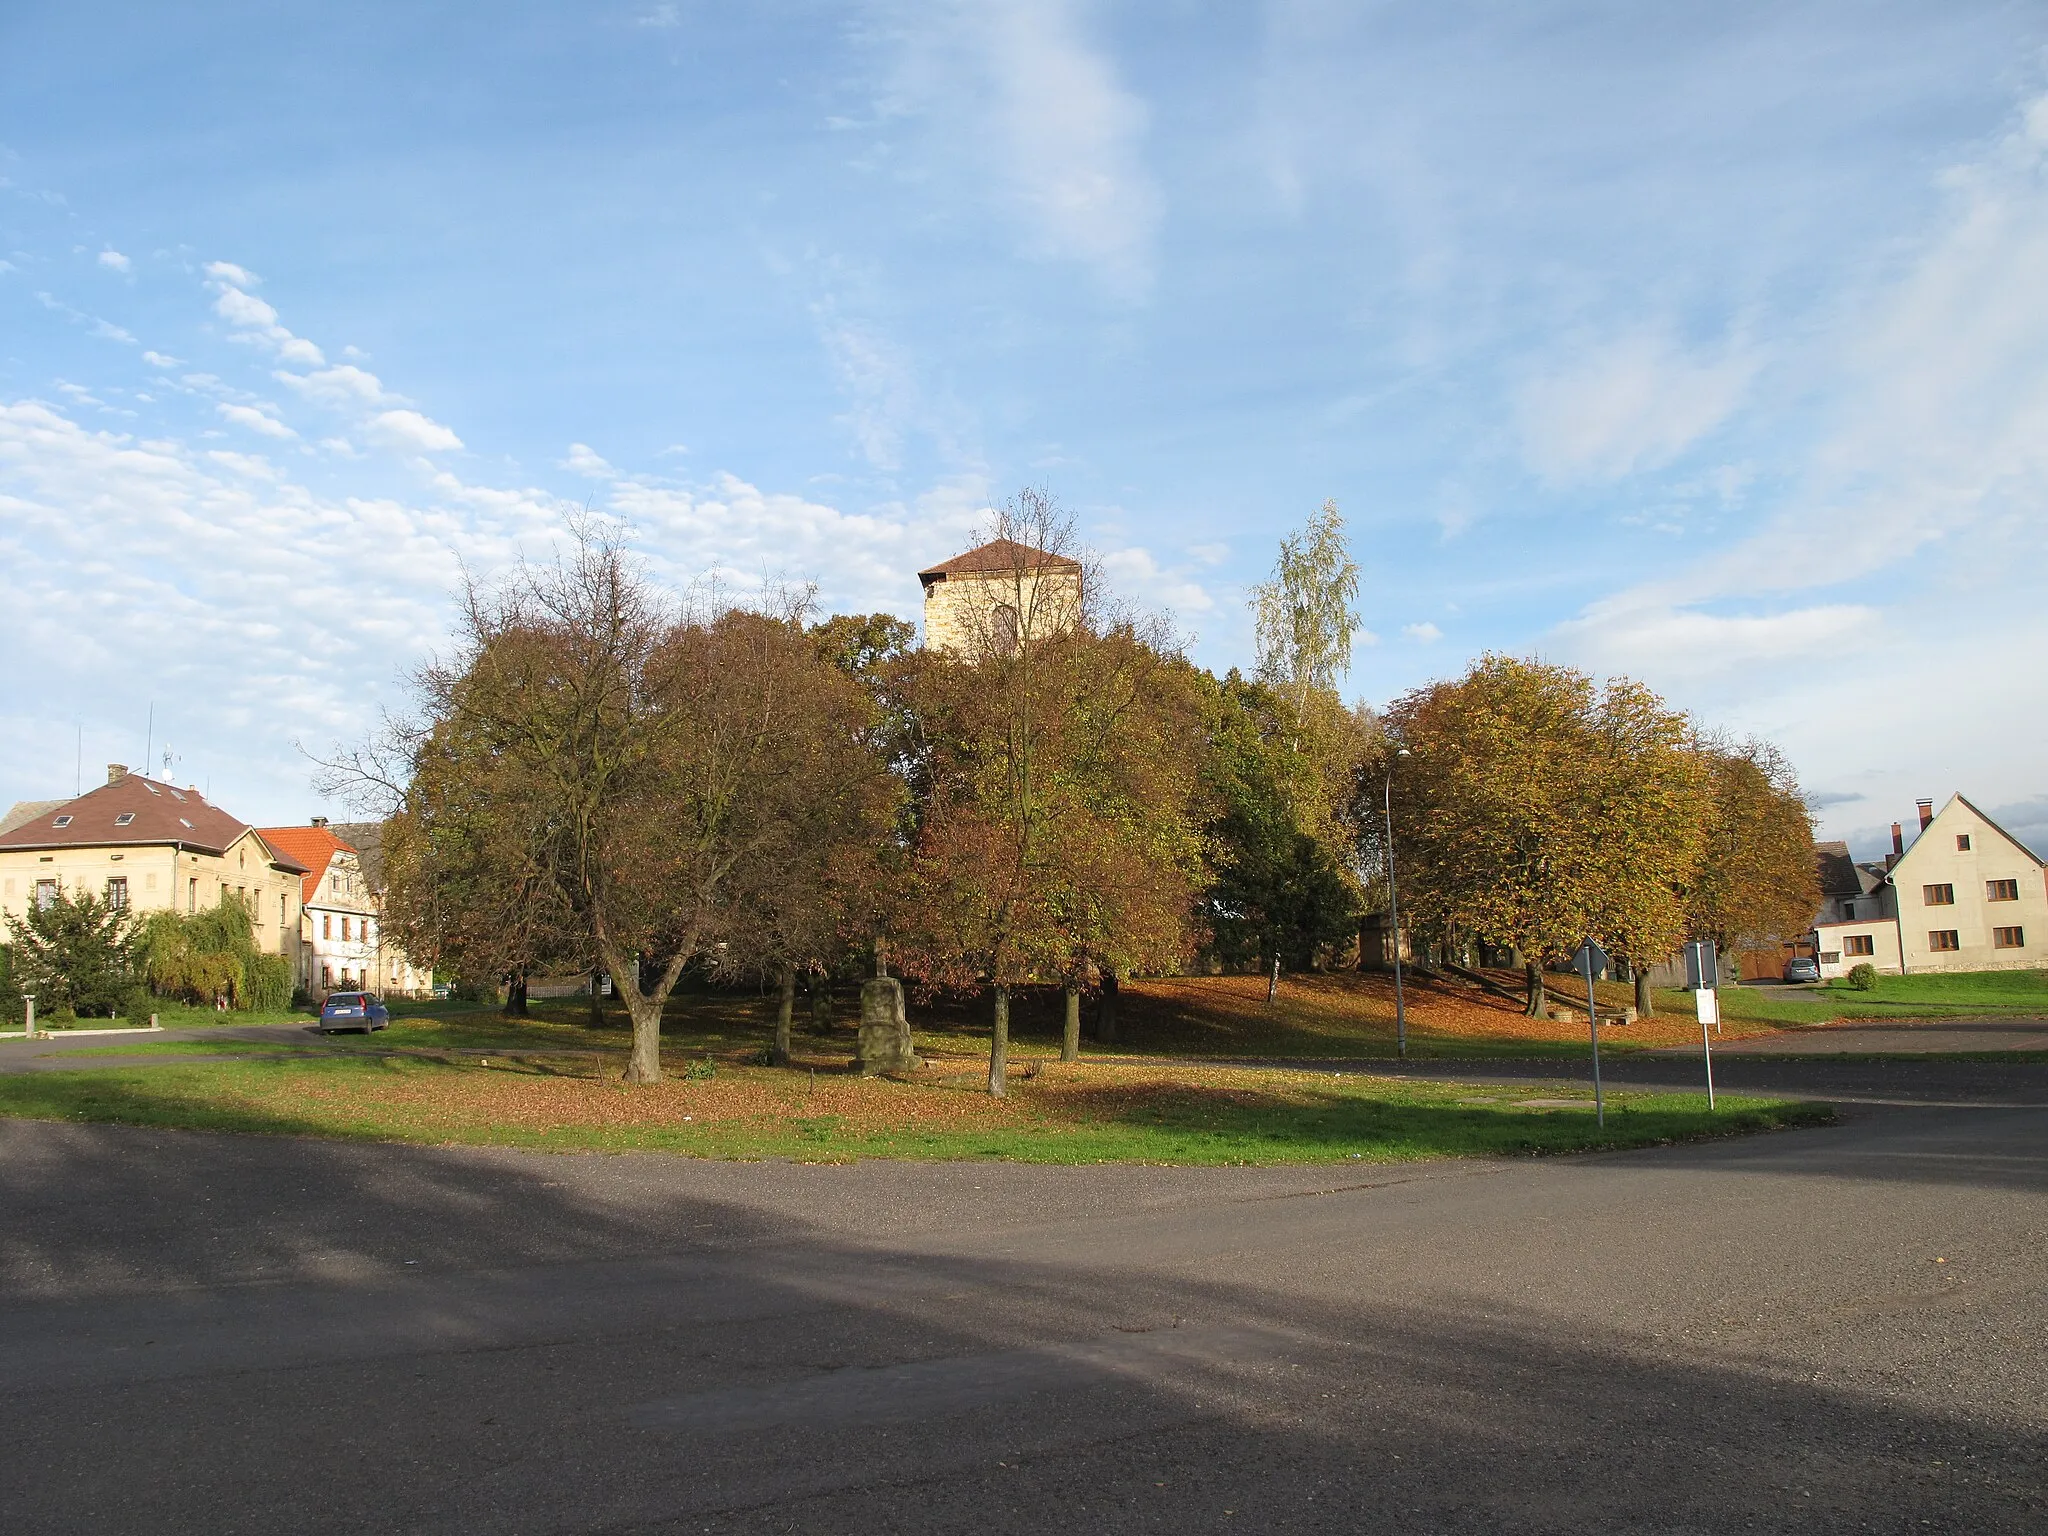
[1394,914]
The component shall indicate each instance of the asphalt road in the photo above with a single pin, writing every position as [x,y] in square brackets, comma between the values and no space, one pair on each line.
[1836,1329]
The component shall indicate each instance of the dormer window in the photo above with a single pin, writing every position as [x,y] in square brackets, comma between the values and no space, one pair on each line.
[151,787]
[175,794]
[61,821]
[185,824]
[124,818]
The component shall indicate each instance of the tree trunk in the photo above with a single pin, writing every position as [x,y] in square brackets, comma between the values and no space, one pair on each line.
[1105,1012]
[596,1020]
[1532,974]
[515,996]
[785,1006]
[644,1065]
[821,1005]
[999,1045]
[1070,1036]
[1644,1006]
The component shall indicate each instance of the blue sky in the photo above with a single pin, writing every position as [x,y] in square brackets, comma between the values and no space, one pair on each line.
[1704,343]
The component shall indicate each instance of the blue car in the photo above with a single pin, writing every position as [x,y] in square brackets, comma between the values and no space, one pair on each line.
[353,1010]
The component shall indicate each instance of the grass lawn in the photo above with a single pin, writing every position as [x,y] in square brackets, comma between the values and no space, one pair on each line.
[2003,991]
[1086,1113]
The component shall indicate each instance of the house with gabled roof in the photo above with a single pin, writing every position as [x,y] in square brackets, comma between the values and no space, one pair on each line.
[143,844]
[343,947]
[1964,895]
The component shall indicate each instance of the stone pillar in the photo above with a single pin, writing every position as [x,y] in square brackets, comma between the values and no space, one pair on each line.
[884,1030]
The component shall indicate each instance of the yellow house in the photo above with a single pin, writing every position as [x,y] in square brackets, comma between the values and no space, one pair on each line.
[145,845]
[984,602]
[1965,896]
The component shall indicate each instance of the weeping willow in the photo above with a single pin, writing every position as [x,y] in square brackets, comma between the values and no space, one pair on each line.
[211,957]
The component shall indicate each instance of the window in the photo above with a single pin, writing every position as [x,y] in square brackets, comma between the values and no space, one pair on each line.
[344,930]
[1859,944]
[1962,842]
[1003,630]
[2008,938]
[1848,911]
[61,821]
[192,895]
[1938,895]
[1944,938]
[1831,957]
[280,909]
[117,893]
[124,818]
[2001,890]
[326,977]
[46,895]
[326,925]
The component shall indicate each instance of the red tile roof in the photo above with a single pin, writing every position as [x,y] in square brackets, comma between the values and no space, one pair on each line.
[313,847]
[1004,555]
[157,813]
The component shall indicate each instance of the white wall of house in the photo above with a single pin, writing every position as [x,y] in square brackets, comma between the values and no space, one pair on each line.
[1969,897]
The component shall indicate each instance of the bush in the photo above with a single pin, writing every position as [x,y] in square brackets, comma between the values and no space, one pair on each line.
[1863,977]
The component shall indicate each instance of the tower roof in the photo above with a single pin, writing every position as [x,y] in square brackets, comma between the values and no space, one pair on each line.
[999,556]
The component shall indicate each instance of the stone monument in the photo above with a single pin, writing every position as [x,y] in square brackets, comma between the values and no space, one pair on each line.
[884,1030]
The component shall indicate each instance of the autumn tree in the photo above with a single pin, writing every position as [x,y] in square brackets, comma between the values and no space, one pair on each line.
[1538,809]
[1054,825]
[630,774]
[1757,882]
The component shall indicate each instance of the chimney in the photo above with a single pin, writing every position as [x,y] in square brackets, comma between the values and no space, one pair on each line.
[1926,812]
[319,821]
[1898,845]
[116,772]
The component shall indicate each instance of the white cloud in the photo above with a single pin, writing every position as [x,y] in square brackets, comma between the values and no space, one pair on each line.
[114,261]
[338,388]
[878,378]
[409,429]
[1422,634]
[1627,405]
[228,272]
[1044,104]
[255,420]
[1921,497]
[239,308]
[161,360]
[584,460]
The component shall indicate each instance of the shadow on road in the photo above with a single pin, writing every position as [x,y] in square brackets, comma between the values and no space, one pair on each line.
[331,1337]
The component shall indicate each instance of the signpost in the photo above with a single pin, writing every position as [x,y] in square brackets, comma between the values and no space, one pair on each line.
[1589,962]
[1703,974]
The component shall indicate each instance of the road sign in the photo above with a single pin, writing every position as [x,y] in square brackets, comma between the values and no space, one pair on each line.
[1589,962]
[1702,965]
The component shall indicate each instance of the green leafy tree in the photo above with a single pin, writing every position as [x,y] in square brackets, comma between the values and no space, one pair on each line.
[75,954]
[1305,615]
[1280,772]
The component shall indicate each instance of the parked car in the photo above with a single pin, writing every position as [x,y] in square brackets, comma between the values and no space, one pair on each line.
[1802,968]
[353,1010]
